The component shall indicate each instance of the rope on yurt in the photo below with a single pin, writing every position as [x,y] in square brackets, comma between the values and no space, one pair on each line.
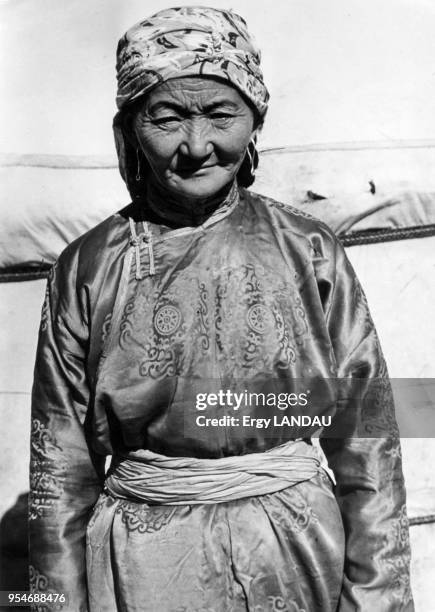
[30,272]
[386,235]
[422,520]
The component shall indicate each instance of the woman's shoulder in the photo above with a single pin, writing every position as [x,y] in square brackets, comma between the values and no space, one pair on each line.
[98,245]
[287,218]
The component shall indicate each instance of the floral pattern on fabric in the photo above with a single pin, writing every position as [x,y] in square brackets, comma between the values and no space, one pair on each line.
[144,519]
[256,323]
[397,565]
[47,468]
[38,582]
[106,328]
[278,604]
[378,417]
[39,586]
[299,517]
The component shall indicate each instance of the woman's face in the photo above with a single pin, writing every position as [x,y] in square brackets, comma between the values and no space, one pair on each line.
[194,133]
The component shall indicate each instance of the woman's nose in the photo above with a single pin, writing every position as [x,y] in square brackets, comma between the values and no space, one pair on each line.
[196,142]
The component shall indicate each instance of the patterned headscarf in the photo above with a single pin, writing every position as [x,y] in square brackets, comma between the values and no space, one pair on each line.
[189,41]
[185,41]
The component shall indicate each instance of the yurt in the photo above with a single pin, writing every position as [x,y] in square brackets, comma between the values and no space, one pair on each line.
[349,138]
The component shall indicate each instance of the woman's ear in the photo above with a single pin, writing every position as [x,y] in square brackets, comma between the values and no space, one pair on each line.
[128,129]
[258,122]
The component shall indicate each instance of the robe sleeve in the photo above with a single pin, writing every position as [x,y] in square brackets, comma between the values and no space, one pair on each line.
[65,476]
[365,456]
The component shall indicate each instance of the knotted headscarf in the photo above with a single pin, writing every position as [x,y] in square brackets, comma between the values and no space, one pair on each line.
[178,42]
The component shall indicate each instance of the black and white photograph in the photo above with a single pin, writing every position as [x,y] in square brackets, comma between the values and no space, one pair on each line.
[217,277]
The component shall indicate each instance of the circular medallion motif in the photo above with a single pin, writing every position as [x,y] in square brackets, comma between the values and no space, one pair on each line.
[258,317]
[167,320]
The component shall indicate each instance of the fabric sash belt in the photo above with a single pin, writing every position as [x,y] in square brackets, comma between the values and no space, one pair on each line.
[151,478]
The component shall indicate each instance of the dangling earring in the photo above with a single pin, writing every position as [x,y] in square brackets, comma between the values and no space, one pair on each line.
[252,152]
[138,177]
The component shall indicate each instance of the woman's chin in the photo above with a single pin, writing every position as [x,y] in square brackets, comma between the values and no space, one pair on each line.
[198,186]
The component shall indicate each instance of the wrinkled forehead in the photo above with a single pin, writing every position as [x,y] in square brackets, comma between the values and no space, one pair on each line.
[194,94]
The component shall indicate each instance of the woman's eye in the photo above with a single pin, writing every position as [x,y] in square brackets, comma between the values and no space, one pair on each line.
[221,116]
[170,120]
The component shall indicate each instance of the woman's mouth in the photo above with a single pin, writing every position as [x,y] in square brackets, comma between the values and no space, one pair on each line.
[189,170]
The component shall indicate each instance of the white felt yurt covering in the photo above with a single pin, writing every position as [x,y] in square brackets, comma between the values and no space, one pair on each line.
[58,178]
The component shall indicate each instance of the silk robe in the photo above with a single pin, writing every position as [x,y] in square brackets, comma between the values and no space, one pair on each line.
[259,292]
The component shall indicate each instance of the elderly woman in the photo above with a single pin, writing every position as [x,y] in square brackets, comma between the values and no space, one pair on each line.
[202,289]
